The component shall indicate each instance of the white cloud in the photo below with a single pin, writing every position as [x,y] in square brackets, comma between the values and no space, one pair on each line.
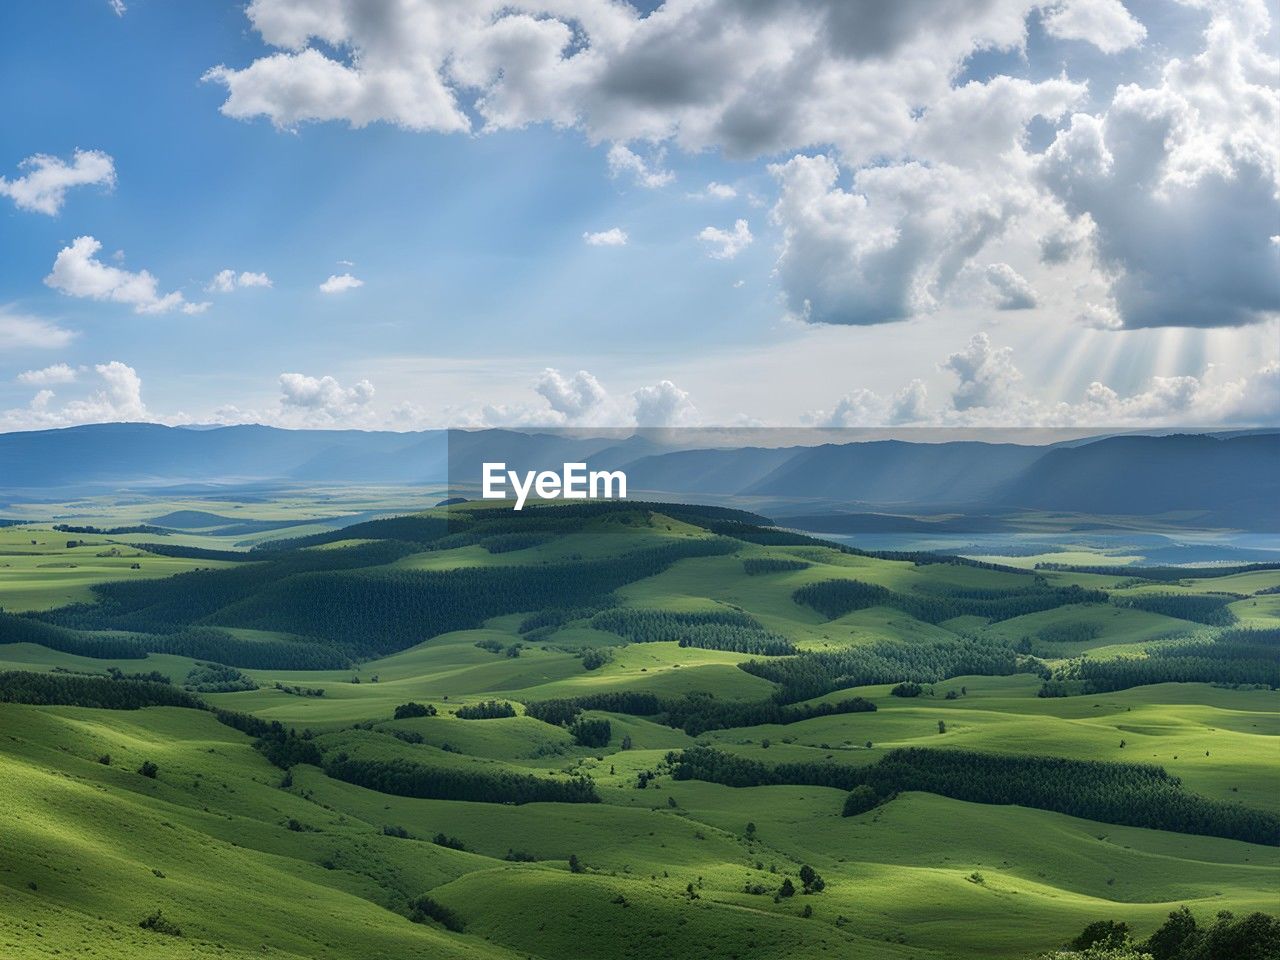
[225,281]
[752,78]
[290,88]
[891,245]
[43,186]
[719,191]
[1104,23]
[19,331]
[78,273]
[340,283]
[663,405]
[727,244]
[48,376]
[569,400]
[648,174]
[1010,290]
[866,408]
[117,7]
[987,375]
[322,399]
[1178,401]
[921,176]
[581,400]
[613,237]
[575,398]
[118,398]
[1180,182]
[991,392]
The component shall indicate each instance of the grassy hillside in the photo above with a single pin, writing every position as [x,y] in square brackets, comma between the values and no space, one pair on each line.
[320,836]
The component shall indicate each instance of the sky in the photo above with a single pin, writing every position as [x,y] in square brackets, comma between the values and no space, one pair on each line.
[401,214]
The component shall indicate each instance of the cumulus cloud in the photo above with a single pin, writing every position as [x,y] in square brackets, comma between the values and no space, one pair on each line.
[663,405]
[118,397]
[1010,290]
[322,399]
[644,173]
[613,237]
[56,374]
[718,191]
[78,272]
[751,78]
[340,283]
[46,179]
[21,332]
[575,398]
[726,244]
[1104,23]
[866,408]
[581,400]
[986,373]
[1180,182]
[990,392]
[225,281]
[922,174]
[891,244]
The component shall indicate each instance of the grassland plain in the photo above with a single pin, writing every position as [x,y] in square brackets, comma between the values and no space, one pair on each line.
[241,857]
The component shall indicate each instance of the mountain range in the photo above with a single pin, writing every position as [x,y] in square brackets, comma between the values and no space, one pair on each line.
[1215,478]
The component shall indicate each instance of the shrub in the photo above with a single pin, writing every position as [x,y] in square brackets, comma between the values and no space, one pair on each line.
[157,923]
[217,678]
[423,908]
[591,732]
[486,710]
[412,709]
[860,799]
[595,658]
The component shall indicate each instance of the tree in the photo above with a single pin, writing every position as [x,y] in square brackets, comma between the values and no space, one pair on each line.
[412,709]
[811,881]
[148,769]
[1102,933]
[591,732]
[575,865]
[942,726]
[423,908]
[861,799]
[443,840]
[788,889]
[1176,933]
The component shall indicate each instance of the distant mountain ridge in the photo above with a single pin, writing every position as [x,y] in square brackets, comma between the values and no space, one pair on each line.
[1229,478]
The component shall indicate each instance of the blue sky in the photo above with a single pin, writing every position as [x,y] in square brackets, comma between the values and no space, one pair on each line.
[870,289]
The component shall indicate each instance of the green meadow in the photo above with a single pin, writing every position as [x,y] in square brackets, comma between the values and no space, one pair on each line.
[538,801]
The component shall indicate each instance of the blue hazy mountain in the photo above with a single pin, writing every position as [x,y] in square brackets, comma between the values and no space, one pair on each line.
[1230,478]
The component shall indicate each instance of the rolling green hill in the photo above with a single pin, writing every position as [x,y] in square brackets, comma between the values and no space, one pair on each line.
[695,700]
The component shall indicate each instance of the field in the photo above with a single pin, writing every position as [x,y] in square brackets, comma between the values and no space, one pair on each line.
[535,830]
